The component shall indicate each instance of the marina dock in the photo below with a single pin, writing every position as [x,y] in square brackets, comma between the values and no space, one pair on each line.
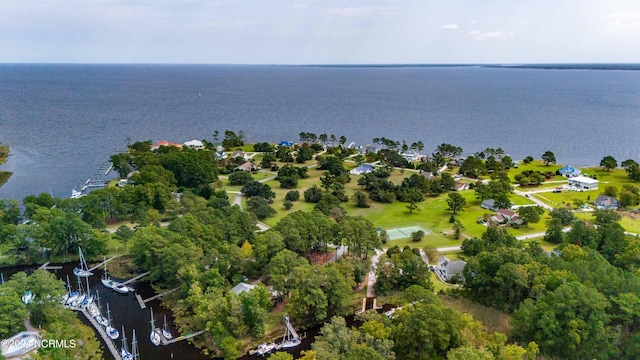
[160,295]
[164,341]
[46,266]
[102,263]
[114,352]
[141,302]
[136,278]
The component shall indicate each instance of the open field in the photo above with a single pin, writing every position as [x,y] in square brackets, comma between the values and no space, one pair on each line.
[492,319]
[535,165]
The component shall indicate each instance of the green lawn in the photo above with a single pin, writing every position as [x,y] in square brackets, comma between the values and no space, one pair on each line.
[536,165]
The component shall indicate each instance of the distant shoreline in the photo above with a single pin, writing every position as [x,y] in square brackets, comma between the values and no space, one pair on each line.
[542,66]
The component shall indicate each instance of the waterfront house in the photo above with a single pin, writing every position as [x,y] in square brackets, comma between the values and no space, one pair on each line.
[606,202]
[447,269]
[286,143]
[164,143]
[569,172]
[362,169]
[194,144]
[583,183]
[411,155]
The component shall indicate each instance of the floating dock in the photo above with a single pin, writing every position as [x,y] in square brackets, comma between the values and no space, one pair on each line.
[114,352]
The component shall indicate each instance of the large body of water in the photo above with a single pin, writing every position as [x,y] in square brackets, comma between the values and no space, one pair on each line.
[63,121]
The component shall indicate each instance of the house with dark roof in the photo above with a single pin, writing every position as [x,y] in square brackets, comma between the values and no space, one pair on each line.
[447,269]
[606,202]
[362,169]
[489,204]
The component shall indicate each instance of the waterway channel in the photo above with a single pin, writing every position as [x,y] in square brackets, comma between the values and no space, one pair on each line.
[126,311]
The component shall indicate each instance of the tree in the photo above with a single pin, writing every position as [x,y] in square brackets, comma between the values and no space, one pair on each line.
[549,158]
[417,236]
[611,190]
[530,214]
[609,162]
[256,188]
[293,195]
[360,199]
[458,229]
[259,207]
[632,168]
[554,232]
[413,197]
[240,178]
[456,202]
[123,234]
[313,194]
[564,215]
[13,313]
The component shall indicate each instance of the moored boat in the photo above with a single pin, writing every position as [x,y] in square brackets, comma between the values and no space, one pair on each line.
[27,297]
[165,332]
[155,333]
[83,270]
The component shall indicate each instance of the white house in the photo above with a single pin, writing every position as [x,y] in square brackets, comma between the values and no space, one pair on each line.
[221,155]
[583,183]
[194,144]
[242,287]
[362,169]
[448,269]
[411,155]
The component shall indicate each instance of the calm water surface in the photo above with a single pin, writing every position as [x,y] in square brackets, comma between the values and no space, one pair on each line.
[63,121]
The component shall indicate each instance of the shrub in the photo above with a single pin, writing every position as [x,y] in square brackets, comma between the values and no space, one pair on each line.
[293,195]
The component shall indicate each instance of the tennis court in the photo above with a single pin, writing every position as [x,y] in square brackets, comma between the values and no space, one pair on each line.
[404,232]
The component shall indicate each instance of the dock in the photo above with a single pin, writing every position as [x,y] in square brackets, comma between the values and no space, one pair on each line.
[114,352]
[141,302]
[104,262]
[136,278]
[105,169]
[46,266]
[160,295]
[164,341]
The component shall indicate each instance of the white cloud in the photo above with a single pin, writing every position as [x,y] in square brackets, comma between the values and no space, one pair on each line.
[449,26]
[624,20]
[362,11]
[478,35]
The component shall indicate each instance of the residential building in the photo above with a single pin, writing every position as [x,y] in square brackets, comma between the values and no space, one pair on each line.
[489,204]
[362,169]
[447,269]
[165,143]
[606,202]
[583,183]
[242,287]
[194,144]
[248,166]
[569,172]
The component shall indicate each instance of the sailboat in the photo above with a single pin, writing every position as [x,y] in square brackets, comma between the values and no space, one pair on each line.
[155,334]
[108,282]
[88,299]
[83,270]
[113,333]
[124,352]
[167,335]
[71,296]
[81,295]
[27,297]
[99,318]
[134,346]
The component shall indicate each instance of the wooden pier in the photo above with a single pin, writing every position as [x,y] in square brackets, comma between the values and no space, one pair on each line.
[46,266]
[160,295]
[104,262]
[141,302]
[136,278]
[164,341]
[114,352]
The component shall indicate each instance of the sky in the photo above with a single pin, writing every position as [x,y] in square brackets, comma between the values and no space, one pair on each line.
[320,31]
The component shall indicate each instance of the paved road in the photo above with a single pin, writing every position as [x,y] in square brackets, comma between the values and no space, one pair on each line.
[521,237]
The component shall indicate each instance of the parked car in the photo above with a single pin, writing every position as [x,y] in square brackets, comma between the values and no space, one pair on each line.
[526,195]
[557,191]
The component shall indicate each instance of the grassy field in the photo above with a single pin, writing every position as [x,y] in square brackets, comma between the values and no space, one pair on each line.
[536,165]
[493,320]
